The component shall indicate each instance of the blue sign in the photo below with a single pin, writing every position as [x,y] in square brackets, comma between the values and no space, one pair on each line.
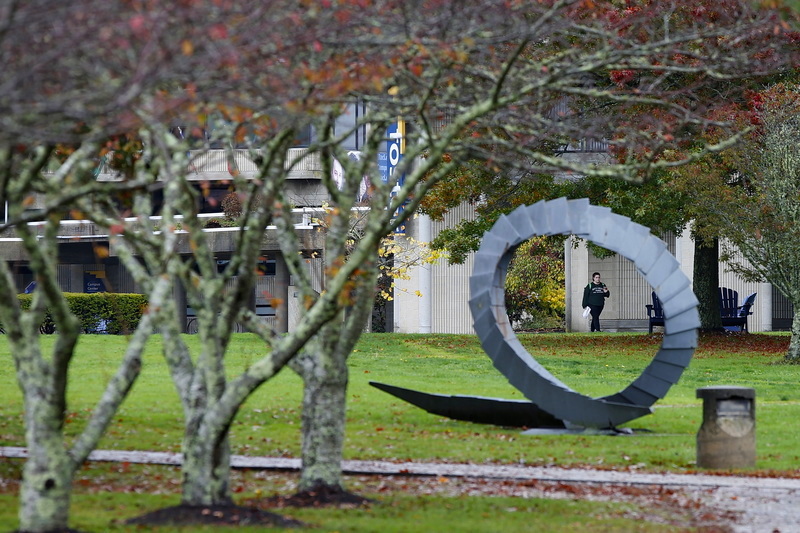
[395,149]
[93,283]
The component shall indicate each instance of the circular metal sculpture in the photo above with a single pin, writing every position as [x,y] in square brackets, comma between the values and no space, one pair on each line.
[614,232]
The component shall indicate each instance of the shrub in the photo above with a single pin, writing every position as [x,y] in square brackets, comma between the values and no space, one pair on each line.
[535,281]
[232,206]
[217,222]
[124,311]
[101,312]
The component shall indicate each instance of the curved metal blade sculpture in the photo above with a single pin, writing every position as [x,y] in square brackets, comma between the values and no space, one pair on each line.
[614,232]
[611,231]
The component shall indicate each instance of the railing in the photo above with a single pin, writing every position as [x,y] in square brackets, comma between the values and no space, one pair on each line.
[215,164]
[586,146]
[86,229]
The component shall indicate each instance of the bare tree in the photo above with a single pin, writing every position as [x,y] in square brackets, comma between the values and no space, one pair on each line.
[52,463]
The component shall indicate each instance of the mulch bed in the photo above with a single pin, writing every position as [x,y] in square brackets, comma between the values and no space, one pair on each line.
[227,515]
[252,513]
[322,496]
[67,530]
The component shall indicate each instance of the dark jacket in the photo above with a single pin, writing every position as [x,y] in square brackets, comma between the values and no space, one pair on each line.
[593,294]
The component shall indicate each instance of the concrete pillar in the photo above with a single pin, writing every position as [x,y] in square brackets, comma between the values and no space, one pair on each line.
[576,274]
[282,283]
[179,294]
[406,300]
[684,252]
[764,304]
[76,278]
[425,278]
[293,308]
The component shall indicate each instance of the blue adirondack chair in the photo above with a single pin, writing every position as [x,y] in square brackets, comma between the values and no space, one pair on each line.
[732,314]
[655,313]
[738,317]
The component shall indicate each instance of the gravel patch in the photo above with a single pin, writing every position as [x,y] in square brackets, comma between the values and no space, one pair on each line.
[726,503]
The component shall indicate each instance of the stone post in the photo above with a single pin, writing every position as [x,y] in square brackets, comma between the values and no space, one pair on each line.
[727,437]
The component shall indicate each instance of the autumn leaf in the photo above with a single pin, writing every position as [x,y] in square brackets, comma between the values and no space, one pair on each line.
[138,23]
[101,252]
[218,31]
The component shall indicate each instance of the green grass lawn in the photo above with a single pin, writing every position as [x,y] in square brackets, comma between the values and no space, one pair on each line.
[382,427]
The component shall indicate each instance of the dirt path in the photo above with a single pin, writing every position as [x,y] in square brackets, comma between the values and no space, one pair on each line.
[727,503]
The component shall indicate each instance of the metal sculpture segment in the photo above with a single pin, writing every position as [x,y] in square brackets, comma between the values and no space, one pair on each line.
[614,232]
[478,409]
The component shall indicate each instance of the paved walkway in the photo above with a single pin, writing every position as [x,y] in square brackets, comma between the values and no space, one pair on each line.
[764,504]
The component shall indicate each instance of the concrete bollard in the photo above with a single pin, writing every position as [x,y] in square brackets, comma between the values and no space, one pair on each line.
[727,437]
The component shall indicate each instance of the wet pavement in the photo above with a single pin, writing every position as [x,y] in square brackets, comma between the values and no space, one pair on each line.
[757,503]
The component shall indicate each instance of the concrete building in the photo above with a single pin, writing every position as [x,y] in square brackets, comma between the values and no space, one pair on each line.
[444,308]
[82,269]
[434,299]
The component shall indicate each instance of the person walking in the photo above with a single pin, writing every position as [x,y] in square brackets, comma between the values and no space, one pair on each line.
[594,297]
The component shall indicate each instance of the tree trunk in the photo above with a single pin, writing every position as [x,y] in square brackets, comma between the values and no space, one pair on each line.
[45,495]
[793,354]
[48,472]
[323,420]
[206,465]
[323,368]
[50,468]
[706,284]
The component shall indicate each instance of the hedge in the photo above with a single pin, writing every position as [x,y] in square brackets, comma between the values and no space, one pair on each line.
[99,312]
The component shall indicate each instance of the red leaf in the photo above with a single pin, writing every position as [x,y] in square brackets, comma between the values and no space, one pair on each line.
[138,23]
[218,31]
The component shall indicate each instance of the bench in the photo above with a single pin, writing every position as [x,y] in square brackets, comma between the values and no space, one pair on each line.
[731,313]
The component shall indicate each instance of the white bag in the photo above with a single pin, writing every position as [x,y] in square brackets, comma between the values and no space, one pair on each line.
[586,312]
